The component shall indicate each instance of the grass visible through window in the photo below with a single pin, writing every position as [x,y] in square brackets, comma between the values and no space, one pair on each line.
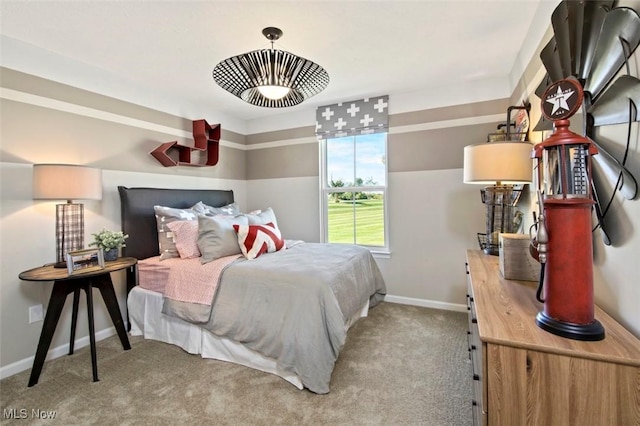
[369,222]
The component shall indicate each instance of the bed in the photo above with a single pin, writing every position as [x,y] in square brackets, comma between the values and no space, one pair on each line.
[285,312]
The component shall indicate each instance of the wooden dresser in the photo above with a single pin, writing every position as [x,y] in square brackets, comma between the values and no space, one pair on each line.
[524,375]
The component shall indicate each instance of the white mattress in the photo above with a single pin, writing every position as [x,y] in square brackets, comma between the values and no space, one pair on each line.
[147,320]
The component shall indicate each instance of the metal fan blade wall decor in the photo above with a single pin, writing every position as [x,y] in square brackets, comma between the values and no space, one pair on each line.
[551,61]
[546,82]
[613,106]
[543,123]
[618,39]
[592,20]
[613,169]
[246,76]
[592,41]
[567,37]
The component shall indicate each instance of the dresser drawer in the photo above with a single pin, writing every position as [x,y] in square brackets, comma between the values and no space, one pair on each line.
[476,349]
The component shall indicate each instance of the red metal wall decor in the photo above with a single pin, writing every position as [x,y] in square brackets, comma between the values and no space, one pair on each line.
[207,141]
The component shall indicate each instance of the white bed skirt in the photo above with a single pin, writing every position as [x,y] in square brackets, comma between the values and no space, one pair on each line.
[147,320]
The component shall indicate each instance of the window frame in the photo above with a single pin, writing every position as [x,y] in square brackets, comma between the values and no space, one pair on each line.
[325,190]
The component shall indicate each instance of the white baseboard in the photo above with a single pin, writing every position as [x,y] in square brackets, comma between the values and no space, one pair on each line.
[62,350]
[425,303]
[27,363]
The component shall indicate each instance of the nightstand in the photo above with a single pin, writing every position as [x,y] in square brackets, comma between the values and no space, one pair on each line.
[63,285]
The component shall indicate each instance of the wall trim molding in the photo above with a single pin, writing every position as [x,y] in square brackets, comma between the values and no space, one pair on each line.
[434,304]
[45,102]
[57,352]
[447,124]
[409,128]
[62,350]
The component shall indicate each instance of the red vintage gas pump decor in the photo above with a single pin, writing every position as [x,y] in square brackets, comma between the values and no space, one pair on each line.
[563,238]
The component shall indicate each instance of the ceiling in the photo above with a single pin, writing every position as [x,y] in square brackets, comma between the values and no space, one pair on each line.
[368,47]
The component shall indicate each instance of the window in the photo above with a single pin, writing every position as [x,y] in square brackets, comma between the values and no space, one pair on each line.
[354,188]
[353,172]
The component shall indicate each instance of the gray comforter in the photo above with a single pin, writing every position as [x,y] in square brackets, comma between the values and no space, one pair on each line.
[293,305]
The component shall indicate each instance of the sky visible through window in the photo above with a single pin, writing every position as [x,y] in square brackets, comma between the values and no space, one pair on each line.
[370,157]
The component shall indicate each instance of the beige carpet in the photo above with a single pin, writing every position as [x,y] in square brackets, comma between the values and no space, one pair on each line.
[402,365]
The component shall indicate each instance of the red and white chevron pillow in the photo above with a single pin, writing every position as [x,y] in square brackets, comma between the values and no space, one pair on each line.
[255,240]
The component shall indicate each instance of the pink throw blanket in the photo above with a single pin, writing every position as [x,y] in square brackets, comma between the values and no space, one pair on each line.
[192,282]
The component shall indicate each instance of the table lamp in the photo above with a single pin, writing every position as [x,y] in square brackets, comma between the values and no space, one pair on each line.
[67,182]
[498,165]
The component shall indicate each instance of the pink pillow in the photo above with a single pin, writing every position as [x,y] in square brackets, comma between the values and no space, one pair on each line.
[255,240]
[186,236]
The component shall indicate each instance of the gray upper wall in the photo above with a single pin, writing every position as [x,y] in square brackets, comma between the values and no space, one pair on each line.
[38,86]
[49,89]
[456,112]
[73,120]
[431,139]
[46,121]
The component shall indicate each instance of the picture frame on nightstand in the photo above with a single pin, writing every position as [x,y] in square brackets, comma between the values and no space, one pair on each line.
[85,260]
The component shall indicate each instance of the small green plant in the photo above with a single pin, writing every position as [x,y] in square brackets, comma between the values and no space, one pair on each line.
[108,240]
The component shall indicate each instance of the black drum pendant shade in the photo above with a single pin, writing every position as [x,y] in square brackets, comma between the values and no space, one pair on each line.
[271,78]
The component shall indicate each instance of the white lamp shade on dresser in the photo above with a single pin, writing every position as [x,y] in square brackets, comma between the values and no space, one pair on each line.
[505,162]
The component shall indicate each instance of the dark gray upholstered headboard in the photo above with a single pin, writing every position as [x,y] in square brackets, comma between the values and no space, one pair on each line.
[138,216]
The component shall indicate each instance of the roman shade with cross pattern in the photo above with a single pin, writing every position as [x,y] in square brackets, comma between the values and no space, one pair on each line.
[365,116]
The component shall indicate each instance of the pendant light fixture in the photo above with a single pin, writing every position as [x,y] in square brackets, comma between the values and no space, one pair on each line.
[269,77]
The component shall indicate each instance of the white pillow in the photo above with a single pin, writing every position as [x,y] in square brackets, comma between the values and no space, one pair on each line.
[262,217]
[166,239]
[229,209]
